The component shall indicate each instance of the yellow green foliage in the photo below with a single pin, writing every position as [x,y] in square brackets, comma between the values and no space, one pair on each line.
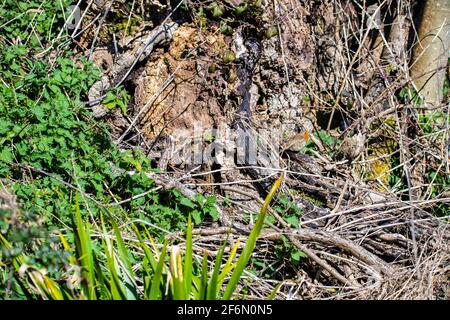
[380,168]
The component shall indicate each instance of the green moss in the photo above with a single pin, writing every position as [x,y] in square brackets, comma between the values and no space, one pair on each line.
[229,56]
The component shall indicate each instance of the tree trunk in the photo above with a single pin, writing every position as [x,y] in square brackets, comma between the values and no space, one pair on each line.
[430,54]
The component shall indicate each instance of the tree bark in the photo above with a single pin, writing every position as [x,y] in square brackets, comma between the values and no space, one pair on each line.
[430,54]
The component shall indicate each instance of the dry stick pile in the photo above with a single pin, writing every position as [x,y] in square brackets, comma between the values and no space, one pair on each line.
[366,239]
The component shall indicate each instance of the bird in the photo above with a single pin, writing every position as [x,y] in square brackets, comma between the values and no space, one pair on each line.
[352,146]
[297,142]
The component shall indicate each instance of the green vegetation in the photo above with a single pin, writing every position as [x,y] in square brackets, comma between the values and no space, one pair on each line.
[75,187]
[112,266]
[330,143]
[82,217]
[409,94]
[52,147]
[117,98]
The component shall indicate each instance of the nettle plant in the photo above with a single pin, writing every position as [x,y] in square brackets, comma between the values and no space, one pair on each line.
[33,23]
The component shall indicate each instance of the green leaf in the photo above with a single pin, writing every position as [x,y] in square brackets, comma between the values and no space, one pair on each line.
[274,292]
[293,220]
[197,216]
[251,242]
[84,251]
[128,274]
[155,290]
[178,287]
[213,213]
[204,278]
[213,289]
[6,155]
[110,100]
[325,137]
[200,199]
[217,10]
[188,259]
[186,202]
[296,255]
[241,9]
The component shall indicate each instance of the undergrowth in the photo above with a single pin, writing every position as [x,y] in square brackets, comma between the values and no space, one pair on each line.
[52,151]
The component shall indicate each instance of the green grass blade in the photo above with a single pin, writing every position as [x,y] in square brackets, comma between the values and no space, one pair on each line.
[67,248]
[177,280]
[115,285]
[84,250]
[212,286]
[53,289]
[196,284]
[147,252]
[123,252]
[155,290]
[148,259]
[250,245]
[204,278]
[188,259]
[229,265]
[148,273]
[117,292]
[102,283]
[128,275]
[274,291]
